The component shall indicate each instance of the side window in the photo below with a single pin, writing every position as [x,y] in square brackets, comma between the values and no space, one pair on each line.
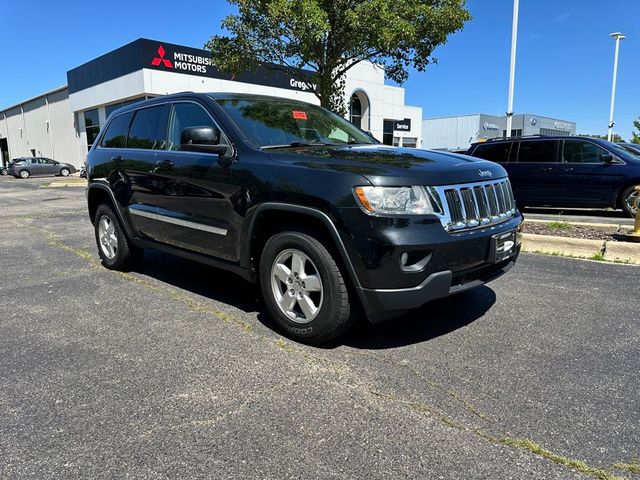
[496,152]
[186,115]
[538,151]
[116,134]
[578,151]
[148,129]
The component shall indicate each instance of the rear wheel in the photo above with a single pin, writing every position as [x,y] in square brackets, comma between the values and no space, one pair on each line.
[629,199]
[64,172]
[115,249]
[24,174]
[303,288]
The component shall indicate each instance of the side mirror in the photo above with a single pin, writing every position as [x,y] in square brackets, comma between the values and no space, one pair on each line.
[202,139]
[606,158]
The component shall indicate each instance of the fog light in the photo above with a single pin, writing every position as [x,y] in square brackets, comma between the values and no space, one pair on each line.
[414,261]
[403,258]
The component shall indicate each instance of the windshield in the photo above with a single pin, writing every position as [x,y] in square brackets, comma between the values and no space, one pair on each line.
[278,122]
[631,150]
[622,149]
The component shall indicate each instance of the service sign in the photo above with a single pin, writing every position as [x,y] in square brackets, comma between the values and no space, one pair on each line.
[402,125]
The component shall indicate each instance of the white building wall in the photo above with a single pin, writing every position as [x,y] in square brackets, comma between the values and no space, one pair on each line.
[450,132]
[63,131]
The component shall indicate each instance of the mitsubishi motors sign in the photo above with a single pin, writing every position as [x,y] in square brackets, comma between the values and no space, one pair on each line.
[167,57]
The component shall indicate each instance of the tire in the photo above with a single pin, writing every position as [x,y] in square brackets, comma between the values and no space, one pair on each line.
[333,315]
[24,174]
[115,249]
[628,200]
[64,172]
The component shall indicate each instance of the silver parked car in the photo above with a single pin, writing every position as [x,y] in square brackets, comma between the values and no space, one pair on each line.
[26,166]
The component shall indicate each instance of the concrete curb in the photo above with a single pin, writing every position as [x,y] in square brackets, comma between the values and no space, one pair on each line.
[620,252]
[609,226]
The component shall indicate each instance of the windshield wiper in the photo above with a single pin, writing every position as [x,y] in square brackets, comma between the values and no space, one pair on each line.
[296,144]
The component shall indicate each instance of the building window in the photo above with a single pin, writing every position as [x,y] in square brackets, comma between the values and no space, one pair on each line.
[550,132]
[387,132]
[409,142]
[359,110]
[514,133]
[91,126]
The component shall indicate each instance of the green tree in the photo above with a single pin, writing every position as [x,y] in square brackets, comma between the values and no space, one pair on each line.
[328,37]
[635,136]
[616,138]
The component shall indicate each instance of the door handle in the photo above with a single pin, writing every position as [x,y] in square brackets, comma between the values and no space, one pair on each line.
[164,163]
[545,169]
[567,169]
[117,159]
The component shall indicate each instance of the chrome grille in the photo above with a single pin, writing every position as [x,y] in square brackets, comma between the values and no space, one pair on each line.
[474,205]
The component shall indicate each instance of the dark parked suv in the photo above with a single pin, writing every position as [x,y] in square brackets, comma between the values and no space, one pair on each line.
[566,171]
[291,196]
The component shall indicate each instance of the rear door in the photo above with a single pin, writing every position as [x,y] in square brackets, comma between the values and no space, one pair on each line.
[532,175]
[147,136]
[194,196]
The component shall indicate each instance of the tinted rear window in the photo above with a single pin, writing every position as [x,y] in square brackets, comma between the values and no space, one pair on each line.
[537,151]
[495,152]
[148,129]
[116,134]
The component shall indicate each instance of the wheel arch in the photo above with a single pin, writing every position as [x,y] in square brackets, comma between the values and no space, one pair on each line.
[97,194]
[631,183]
[270,218]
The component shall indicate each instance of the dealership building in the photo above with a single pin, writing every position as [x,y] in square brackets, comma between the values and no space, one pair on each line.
[459,132]
[63,123]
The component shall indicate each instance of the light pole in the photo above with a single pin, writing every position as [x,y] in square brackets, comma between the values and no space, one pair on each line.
[617,36]
[512,67]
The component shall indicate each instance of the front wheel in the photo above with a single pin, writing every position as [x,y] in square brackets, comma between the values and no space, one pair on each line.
[115,249]
[64,172]
[303,288]
[629,199]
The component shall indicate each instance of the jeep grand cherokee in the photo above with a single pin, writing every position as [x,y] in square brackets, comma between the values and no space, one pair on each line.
[294,197]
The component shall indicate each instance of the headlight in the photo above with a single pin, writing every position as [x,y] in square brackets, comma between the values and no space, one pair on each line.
[395,200]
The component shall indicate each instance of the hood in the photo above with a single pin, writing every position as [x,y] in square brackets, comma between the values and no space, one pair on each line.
[385,165]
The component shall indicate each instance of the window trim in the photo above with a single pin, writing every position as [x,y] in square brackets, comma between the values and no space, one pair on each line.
[556,149]
[215,122]
[616,159]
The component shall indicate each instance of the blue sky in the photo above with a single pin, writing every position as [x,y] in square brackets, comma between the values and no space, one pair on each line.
[564,68]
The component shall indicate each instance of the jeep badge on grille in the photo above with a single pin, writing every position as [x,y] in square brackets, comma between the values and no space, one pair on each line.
[485,173]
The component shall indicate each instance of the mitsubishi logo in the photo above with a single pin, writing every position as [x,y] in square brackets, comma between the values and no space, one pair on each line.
[160,59]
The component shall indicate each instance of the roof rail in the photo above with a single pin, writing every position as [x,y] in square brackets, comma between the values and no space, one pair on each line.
[536,135]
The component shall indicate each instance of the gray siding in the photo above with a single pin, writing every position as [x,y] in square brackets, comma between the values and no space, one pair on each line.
[44,124]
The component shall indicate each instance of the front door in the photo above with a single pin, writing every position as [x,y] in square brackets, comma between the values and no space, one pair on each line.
[193,189]
[584,179]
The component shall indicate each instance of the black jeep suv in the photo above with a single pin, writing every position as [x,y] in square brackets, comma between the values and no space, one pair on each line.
[294,197]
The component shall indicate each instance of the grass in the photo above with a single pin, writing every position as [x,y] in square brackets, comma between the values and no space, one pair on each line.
[598,256]
[559,225]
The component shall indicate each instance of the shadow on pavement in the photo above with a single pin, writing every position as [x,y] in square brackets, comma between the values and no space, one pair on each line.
[209,282]
[436,318]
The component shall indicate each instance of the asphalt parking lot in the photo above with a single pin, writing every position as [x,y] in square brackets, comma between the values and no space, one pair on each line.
[174,371]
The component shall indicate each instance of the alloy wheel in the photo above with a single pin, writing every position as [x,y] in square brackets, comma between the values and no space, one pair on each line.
[631,202]
[296,286]
[107,237]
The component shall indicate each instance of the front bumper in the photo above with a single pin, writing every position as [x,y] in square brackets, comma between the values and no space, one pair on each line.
[383,304]
[440,263]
